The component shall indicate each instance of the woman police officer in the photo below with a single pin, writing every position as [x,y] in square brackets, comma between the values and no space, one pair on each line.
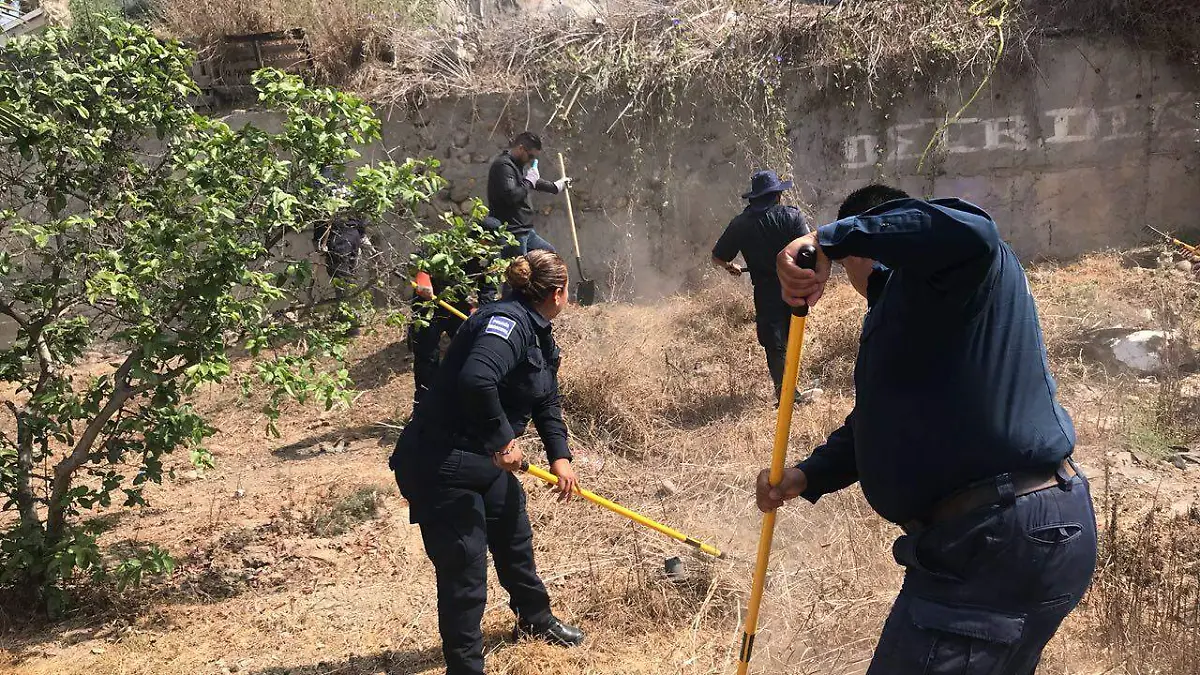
[454,460]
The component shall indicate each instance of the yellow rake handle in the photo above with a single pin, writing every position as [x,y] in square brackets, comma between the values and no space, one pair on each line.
[445,305]
[1187,247]
[783,425]
[543,475]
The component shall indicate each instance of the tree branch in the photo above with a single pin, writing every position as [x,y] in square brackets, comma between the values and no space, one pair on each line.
[10,310]
[65,470]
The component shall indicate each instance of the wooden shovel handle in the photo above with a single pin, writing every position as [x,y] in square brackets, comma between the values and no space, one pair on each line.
[562,165]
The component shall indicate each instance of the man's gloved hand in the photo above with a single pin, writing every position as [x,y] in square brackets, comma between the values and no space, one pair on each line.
[563,183]
[532,176]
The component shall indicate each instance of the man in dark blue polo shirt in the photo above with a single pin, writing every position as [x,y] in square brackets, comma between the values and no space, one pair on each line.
[956,436]
[758,232]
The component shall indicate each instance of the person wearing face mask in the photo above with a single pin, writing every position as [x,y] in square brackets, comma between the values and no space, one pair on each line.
[956,435]
[454,461]
[512,177]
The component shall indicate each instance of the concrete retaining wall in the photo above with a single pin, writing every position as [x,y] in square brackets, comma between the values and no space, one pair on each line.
[1071,157]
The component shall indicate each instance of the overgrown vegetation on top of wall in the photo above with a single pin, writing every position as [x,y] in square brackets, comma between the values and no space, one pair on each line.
[642,58]
[641,48]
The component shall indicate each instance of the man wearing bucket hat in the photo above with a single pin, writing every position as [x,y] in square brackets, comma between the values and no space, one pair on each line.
[759,232]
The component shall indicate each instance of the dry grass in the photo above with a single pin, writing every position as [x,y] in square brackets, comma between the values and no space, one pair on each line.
[340,34]
[1078,303]
[1146,595]
[638,51]
[631,377]
[644,54]
[675,392]
[340,512]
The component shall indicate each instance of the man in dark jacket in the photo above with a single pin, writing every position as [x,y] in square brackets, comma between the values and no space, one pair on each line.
[758,233]
[513,176]
[956,436]
[340,239]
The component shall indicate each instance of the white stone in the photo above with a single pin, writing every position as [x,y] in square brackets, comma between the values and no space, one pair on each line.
[1142,350]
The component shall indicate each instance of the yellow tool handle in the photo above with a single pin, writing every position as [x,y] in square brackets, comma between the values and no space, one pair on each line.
[783,426]
[543,475]
[806,258]
[1187,247]
[445,305]
[1193,250]
[562,165]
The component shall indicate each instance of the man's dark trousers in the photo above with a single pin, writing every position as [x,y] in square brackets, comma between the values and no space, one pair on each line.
[983,593]
[476,507]
[425,343]
[772,328]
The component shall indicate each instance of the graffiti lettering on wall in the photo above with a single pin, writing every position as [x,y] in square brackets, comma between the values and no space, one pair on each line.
[1168,116]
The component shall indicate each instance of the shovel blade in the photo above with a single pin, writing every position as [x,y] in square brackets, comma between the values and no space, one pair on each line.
[585,292]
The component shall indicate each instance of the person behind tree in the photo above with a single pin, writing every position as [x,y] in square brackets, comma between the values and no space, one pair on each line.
[340,239]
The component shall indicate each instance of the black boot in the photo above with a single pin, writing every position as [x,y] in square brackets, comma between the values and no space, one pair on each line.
[553,631]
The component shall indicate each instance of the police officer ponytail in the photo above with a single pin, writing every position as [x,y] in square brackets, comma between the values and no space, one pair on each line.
[535,275]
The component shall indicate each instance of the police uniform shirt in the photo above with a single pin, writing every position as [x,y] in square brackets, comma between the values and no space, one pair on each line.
[500,373]
[759,236]
[952,382]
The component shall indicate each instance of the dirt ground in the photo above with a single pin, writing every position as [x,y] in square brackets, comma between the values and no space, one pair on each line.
[669,406]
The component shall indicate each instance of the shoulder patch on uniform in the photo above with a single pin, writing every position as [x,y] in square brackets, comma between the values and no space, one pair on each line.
[500,325]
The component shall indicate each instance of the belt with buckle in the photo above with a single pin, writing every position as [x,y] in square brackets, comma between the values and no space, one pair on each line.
[999,490]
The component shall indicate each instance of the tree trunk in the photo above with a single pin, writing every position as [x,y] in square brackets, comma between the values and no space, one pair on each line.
[64,471]
[26,505]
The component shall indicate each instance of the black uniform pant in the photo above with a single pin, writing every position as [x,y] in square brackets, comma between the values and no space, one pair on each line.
[985,592]
[772,329]
[425,345]
[473,508]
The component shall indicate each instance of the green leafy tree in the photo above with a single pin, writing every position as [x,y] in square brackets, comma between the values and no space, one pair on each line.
[463,255]
[132,225]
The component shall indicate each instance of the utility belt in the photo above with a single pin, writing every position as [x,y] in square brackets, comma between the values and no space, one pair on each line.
[431,442]
[1001,490]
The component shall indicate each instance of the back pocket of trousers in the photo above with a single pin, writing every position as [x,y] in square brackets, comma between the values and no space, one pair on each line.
[966,640]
